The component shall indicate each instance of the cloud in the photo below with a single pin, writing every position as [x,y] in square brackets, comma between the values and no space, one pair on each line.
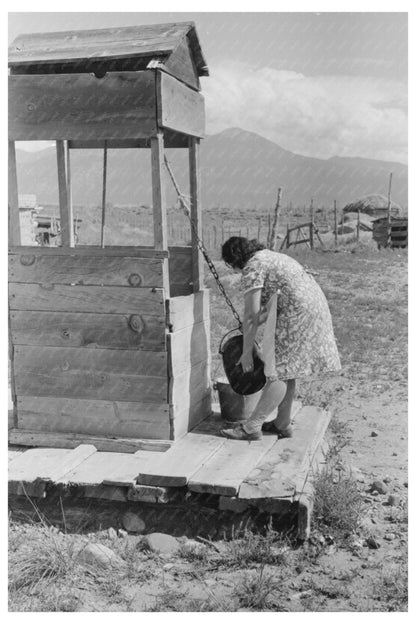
[320,116]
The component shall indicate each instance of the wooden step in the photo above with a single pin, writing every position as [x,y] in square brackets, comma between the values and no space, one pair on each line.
[281,471]
[224,472]
[178,464]
[42,465]
[116,469]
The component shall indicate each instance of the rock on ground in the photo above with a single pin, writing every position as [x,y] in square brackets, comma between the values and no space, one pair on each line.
[161,543]
[101,556]
[133,523]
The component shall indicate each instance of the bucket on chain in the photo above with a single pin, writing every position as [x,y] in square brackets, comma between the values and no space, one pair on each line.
[243,383]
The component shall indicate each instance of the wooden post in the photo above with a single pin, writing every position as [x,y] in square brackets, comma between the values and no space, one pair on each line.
[196,216]
[159,203]
[358,224]
[258,227]
[273,235]
[14,218]
[65,204]
[104,194]
[312,211]
[269,230]
[311,227]
[335,223]
[287,236]
[389,212]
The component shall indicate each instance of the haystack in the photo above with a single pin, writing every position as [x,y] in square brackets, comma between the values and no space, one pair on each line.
[373,205]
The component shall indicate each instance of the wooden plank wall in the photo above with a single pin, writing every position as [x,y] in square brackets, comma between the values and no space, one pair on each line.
[88,333]
[80,106]
[189,362]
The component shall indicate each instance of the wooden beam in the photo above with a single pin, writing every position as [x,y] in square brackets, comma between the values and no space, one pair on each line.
[14,219]
[104,194]
[160,225]
[91,250]
[65,204]
[196,216]
[72,440]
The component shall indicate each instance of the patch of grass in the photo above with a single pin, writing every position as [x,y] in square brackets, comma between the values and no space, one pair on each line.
[338,502]
[260,590]
[390,587]
[256,548]
[194,553]
[45,556]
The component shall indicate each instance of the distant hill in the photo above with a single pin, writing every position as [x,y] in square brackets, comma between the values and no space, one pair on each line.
[239,170]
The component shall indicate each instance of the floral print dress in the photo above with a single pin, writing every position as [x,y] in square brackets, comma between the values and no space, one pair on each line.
[298,330]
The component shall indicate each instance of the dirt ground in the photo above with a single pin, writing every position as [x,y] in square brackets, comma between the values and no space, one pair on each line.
[357,569]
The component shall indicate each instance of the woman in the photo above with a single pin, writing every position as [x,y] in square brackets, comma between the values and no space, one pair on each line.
[298,338]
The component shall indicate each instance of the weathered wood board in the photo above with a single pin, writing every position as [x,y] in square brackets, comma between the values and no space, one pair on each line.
[72,440]
[177,465]
[109,468]
[188,347]
[95,418]
[190,387]
[86,270]
[89,330]
[188,310]
[47,464]
[179,108]
[186,419]
[181,65]
[224,472]
[81,106]
[91,250]
[91,373]
[14,452]
[103,299]
[84,45]
[51,360]
[275,476]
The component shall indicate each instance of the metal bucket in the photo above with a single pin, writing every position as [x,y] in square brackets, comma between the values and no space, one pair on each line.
[235,407]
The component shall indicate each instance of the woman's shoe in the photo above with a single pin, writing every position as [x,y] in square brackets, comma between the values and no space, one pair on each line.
[270,427]
[238,433]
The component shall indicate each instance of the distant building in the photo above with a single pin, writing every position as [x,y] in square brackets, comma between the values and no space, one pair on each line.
[28,202]
[374,205]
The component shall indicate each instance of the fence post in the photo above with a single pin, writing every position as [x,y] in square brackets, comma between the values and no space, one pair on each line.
[273,234]
[335,223]
[389,213]
[358,224]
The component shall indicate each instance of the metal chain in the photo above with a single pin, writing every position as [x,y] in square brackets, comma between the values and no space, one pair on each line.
[202,247]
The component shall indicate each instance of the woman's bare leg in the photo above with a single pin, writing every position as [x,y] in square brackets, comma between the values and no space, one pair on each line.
[273,394]
[282,421]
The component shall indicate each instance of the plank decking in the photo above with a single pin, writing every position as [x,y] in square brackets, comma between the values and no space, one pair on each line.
[268,474]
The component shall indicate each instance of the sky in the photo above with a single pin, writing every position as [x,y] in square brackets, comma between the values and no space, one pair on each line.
[318,84]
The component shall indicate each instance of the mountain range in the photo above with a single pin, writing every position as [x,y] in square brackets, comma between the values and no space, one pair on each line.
[239,170]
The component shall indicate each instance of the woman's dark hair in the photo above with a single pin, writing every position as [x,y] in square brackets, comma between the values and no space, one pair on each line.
[237,251]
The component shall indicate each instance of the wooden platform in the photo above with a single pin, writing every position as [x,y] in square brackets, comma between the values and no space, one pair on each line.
[267,475]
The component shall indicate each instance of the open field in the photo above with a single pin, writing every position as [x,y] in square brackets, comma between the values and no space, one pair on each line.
[356,559]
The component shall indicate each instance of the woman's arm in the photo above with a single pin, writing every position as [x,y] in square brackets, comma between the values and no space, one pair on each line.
[250,325]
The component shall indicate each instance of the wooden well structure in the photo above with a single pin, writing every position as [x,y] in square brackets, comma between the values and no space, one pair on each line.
[108,344]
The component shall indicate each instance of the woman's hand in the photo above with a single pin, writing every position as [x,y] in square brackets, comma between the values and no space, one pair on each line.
[246,361]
